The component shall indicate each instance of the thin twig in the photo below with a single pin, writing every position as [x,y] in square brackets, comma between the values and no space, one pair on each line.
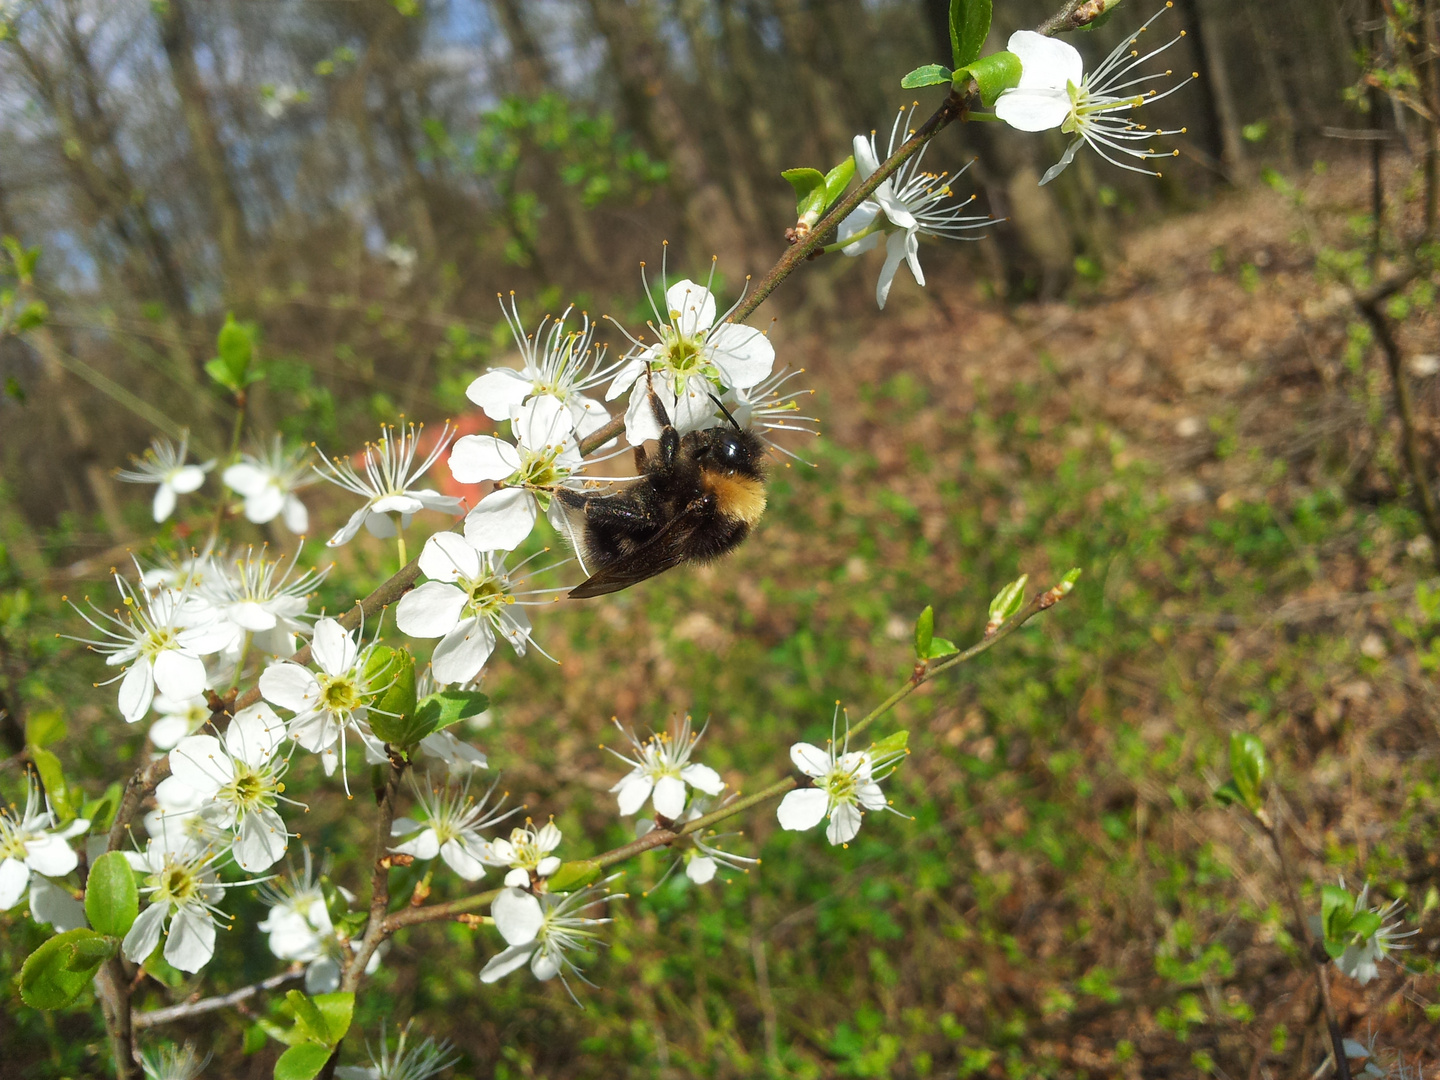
[187,1009]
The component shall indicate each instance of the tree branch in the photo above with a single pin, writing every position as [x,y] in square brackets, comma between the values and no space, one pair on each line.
[657,838]
[187,1009]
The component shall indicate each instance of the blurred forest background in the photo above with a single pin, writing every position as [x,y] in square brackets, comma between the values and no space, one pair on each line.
[1154,380]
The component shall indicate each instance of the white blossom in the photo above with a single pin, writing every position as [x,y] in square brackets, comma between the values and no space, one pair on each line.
[239,782]
[164,464]
[31,845]
[692,358]
[1054,91]
[300,928]
[844,784]
[1361,958]
[327,702]
[544,930]
[557,362]
[172,1062]
[906,206]
[251,597]
[468,602]
[411,1061]
[183,889]
[162,636]
[268,479]
[450,827]
[526,852]
[178,717]
[545,456]
[662,767]
[388,484]
[700,852]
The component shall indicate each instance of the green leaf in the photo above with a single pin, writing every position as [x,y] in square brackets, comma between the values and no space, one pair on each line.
[337,1009]
[439,711]
[1008,600]
[926,75]
[1249,768]
[44,728]
[992,74]
[969,25]
[309,1020]
[1336,907]
[111,898]
[924,632]
[1364,923]
[35,313]
[392,714]
[53,777]
[101,811]
[47,979]
[236,346]
[1227,794]
[574,875]
[88,953]
[893,743]
[302,1062]
[809,185]
[838,179]
[941,647]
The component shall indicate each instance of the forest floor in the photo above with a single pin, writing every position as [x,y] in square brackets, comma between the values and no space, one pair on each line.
[1205,432]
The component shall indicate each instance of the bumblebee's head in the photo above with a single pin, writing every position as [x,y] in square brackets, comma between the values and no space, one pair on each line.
[730,450]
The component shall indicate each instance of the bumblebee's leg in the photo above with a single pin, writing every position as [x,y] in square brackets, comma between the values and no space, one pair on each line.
[615,513]
[669,437]
[639,460]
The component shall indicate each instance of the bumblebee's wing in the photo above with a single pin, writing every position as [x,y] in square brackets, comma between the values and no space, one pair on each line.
[666,549]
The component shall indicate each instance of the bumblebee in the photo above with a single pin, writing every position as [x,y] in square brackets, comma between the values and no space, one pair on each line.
[698,496]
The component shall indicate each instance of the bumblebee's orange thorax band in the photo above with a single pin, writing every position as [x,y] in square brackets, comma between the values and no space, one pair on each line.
[736,496]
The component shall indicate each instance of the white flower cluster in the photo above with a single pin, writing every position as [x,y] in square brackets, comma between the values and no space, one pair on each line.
[844,783]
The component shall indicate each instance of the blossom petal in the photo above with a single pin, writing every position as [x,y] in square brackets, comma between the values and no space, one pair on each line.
[14,876]
[49,903]
[692,307]
[254,734]
[700,869]
[447,557]
[323,977]
[702,778]
[295,516]
[894,256]
[200,763]
[261,840]
[191,942]
[245,479]
[669,797]
[810,759]
[743,354]
[518,878]
[518,916]
[1065,160]
[347,532]
[802,809]
[1033,110]
[458,857]
[463,652]
[625,378]
[144,933]
[137,690]
[425,845]
[476,458]
[290,686]
[844,823]
[1047,63]
[187,479]
[544,966]
[504,963]
[432,610]
[633,791]
[870,796]
[332,647]
[543,422]
[858,220]
[499,391]
[866,160]
[163,504]
[502,520]
[264,505]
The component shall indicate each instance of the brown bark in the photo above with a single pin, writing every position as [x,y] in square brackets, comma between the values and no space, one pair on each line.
[1220,98]
[177,35]
[640,75]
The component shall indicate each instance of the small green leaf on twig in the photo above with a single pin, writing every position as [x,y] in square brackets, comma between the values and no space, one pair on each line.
[969,26]
[993,74]
[111,898]
[926,75]
[924,632]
